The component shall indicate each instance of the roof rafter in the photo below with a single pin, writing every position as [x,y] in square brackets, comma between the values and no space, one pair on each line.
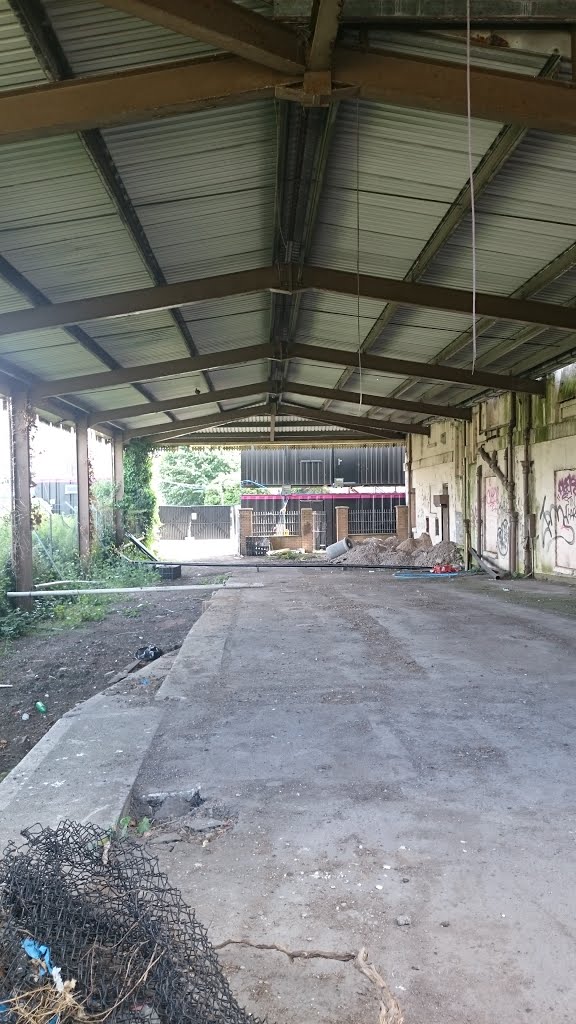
[224,25]
[503,147]
[189,425]
[49,52]
[378,401]
[188,402]
[261,439]
[164,90]
[149,371]
[429,371]
[371,425]
[290,279]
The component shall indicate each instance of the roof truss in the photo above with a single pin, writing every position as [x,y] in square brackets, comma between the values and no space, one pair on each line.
[289,279]
[102,101]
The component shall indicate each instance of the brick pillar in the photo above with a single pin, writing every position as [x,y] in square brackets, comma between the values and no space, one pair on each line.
[402,527]
[307,529]
[246,517]
[341,522]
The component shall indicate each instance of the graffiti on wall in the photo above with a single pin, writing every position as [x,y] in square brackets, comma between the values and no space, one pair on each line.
[496,518]
[558,520]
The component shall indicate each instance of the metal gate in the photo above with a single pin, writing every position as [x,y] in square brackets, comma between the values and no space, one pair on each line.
[319,526]
[201,522]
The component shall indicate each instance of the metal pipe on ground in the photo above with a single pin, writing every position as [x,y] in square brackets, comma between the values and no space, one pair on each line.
[483,564]
[128,590]
[341,547]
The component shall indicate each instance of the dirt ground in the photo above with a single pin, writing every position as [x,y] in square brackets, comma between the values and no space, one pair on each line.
[61,666]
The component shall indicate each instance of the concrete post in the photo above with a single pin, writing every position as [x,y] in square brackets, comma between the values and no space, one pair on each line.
[307,529]
[341,522]
[83,486]
[402,529]
[246,518]
[21,498]
[118,470]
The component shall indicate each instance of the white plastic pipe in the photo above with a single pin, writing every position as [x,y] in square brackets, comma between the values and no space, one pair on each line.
[131,590]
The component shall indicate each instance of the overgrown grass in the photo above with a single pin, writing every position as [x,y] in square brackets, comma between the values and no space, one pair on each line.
[56,558]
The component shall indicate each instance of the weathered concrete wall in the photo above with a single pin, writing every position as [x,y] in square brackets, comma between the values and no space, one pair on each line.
[541,507]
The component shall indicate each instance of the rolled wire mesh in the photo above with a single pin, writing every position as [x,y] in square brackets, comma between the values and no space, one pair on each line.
[114,926]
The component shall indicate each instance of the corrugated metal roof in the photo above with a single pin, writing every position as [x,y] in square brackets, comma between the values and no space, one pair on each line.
[97,38]
[229,323]
[18,65]
[203,186]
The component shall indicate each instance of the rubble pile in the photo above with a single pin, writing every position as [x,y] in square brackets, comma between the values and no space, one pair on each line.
[390,551]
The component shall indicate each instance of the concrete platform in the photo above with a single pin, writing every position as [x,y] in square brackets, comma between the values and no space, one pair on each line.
[84,768]
[385,748]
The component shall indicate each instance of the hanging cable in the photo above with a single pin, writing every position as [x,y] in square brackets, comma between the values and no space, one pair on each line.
[358,333]
[471,175]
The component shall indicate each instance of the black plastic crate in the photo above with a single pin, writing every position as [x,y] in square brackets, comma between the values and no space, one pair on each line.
[256,546]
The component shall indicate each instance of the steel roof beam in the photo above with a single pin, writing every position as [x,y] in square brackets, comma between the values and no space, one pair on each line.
[140,300]
[51,56]
[189,425]
[428,371]
[125,97]
[343,437]
[224,25]
[489,166]
[127,412]
[164,90]
[325,19]
[150,371]
[378,401]
[355,422]
[455,300]
[290,279]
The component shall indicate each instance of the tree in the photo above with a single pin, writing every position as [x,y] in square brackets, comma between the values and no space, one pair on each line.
[200,476]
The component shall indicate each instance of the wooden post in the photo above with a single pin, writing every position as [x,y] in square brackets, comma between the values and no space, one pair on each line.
[83,486]
[21,498]
[118,459]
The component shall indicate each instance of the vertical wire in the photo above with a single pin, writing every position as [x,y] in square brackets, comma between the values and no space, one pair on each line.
[358,338]
[471,175]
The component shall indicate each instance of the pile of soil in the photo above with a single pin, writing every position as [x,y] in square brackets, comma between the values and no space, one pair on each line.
[62,667]
[411,552]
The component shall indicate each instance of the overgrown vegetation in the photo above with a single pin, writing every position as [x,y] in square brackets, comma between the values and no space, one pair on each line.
[139,504]
[55,547]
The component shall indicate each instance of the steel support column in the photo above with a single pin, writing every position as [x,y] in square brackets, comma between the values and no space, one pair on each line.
[118,471]
[83,486]
[22,565]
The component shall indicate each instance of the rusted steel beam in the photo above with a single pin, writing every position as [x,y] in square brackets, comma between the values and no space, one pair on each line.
[189,401]
[429,371]
[101,101]
[378,401]
[456,300]
[149,371]
[226,26]
[353,422]
[325,18]
[164,90]
[140,300]
[499,96]
[189,425]
[310,440]
[280,278]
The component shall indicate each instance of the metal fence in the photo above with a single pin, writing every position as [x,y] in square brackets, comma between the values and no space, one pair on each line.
[372,521]
[267,524]
[319,530]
